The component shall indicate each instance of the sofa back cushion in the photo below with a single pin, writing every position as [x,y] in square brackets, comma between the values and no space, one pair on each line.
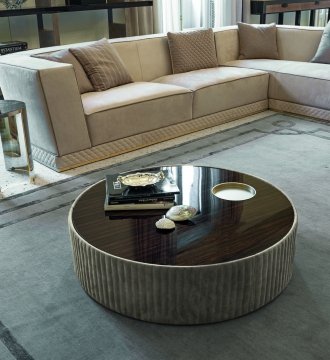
[64,56]
[298,43]
[127,50]
[146,57]
[294,43]
[226,43]
[102,64]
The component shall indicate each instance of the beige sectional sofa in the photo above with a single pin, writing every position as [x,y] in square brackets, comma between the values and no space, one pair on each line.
[69,128]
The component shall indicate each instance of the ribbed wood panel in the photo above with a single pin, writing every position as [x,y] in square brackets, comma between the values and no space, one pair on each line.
[184,295]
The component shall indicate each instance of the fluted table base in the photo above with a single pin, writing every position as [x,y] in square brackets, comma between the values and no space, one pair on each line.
[184,294]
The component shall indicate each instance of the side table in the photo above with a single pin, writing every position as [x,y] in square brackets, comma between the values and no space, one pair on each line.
[15,137]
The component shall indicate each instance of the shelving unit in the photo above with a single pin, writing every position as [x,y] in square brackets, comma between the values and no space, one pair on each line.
[50,37]
[280,7]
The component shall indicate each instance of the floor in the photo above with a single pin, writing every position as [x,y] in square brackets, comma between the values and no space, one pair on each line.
[12,182]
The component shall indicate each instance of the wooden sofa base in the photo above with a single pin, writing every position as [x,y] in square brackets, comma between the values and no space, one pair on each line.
[117,147]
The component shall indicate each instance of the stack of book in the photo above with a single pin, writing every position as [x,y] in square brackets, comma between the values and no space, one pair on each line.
[8,47]
[161,195]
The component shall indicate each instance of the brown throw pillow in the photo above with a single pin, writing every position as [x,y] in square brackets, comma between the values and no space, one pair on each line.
[192,50]
[323,52]
[257,41]
[102,65]
[64,56]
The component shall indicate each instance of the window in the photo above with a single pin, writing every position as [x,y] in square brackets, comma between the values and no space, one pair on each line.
[175,15]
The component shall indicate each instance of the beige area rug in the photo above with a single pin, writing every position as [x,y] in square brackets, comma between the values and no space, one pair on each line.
[12,183]
[46,315]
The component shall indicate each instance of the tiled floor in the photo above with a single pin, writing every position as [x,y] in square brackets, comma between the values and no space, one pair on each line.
[12,183]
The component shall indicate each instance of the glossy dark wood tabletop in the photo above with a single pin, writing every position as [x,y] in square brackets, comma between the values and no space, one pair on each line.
[221,231]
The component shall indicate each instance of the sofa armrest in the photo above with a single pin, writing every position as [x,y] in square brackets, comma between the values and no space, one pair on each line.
[56,118]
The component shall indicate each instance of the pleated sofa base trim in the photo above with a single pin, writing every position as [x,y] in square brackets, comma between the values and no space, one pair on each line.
[121,146]
[279,105]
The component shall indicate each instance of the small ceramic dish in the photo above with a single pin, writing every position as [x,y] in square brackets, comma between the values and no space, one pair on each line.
[233,191]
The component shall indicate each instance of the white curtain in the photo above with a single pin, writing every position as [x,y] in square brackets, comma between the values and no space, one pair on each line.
[167,15]
[227,12]
[321,17]
[246,11]
[139,21]
[195,13]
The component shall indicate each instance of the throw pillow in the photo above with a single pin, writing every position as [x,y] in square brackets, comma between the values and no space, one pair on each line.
[192,50]
[102,65]
[64,56]
[323,52]
[257,41]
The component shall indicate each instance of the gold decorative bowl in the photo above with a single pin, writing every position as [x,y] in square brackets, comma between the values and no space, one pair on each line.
[141,179]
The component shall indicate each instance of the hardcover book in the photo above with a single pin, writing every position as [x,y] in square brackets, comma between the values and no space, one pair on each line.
[137,201]
[85,2]
[163,204]
[8,47]
[135,214]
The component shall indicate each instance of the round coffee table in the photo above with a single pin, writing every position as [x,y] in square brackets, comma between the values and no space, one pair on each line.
[232,258]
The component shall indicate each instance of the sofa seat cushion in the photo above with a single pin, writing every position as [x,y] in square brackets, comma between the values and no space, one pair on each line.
[294,81]
[133,109]
[221,88]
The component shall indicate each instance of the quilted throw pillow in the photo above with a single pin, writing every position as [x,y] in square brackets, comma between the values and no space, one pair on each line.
[64,56]
[102,65]
[323,52]
[192,50]
[257,41]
